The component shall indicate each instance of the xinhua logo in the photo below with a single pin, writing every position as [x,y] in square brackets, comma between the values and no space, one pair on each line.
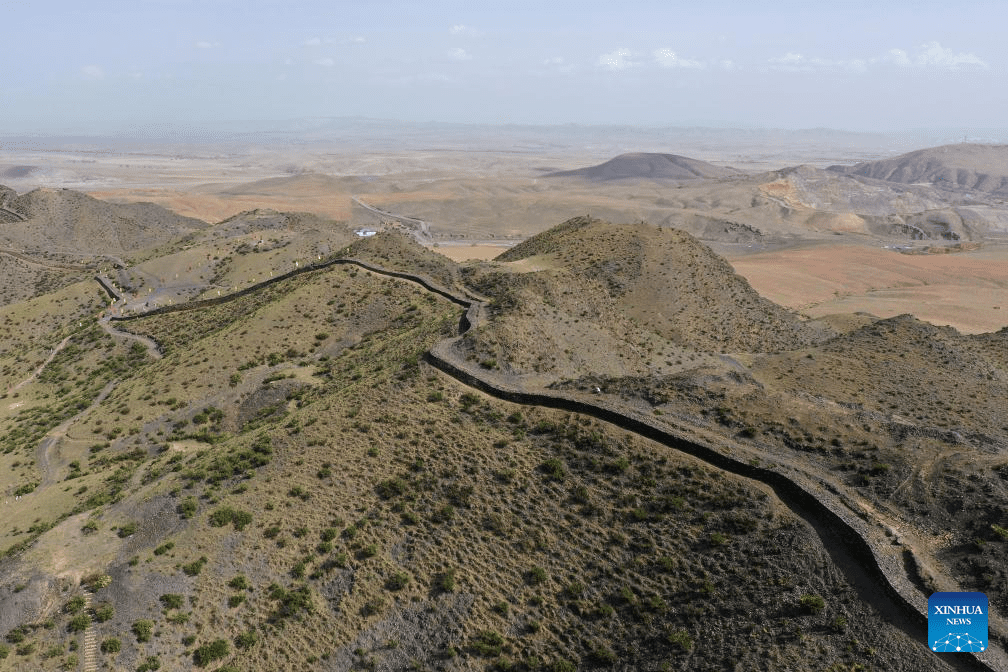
[957,622]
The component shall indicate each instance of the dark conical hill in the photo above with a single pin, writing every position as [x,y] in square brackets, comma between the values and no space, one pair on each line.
[648,165]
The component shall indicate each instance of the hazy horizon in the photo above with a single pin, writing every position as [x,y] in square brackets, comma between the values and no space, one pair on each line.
[862,66]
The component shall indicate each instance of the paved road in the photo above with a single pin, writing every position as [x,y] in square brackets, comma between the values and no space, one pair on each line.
[418,227]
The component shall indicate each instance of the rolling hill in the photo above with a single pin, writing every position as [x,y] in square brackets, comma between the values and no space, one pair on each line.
[625,470]
[975,167]
[651,166]
[69,222]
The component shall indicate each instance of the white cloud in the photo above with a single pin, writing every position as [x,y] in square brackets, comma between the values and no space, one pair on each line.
[620,59]
[325,62]
[930,56]
[727,64]
[203,44]
[555,60]
[459,54]
[789,58]
[92,73]
[462,29]
[899,57]
[667,58]
[312,42]
[358,39]
[933,55]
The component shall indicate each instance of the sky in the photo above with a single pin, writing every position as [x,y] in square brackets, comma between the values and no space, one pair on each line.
[846,64]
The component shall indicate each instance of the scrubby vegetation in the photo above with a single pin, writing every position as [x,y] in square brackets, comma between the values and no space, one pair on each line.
[293,484]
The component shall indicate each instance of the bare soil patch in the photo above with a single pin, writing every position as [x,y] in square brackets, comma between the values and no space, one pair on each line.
[968,291]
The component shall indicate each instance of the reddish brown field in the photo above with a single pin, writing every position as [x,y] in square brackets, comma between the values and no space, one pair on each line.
[968,291]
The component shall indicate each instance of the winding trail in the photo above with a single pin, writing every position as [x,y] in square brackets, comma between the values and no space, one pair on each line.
[884,572]
[35,374]
[42,453]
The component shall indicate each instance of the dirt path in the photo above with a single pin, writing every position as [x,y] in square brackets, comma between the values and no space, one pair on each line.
[150,344]
[35,374]
[46,445]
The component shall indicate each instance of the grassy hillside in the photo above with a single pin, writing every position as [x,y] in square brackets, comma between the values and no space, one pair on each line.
[291,487]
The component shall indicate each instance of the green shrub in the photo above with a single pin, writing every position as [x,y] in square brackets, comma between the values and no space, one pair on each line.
[294,602]
[187,507]
[246,640]
[372,606]
[171,601]
[391,487]
[225,514]
[603,655]
[103,613]
[150,664]
[241,519]
[74,604]
[79,623]
[446,581]
[397,581]
[96,581]
[680,639]
[536,575]
[143,629]
[210,652]
[553,468]
[25,489]
[16,636]
[487,643]
[812,604]
[111,645]
[239,583]
[4,651]
[300,493]
[126,530]
[718,539]
[443,514]
[235,600]
[194,567]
